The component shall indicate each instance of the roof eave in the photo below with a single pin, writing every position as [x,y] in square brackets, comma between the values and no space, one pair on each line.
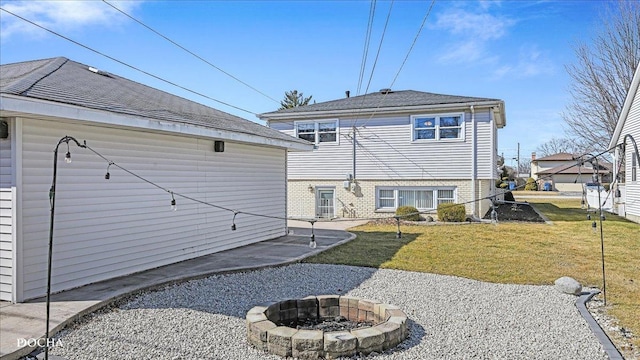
[633,89]
[14,105]
[275,116]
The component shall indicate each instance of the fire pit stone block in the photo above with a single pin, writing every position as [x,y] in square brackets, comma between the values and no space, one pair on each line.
[279,340]
[307,344]
[257,333]
[339,343]
[369,340]
[392,334]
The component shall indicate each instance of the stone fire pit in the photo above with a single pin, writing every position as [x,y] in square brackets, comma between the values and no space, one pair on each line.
[274,327]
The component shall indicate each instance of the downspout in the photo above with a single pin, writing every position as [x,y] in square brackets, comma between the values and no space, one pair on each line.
[474,161]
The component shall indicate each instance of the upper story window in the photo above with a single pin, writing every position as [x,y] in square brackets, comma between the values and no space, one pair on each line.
[438,127]
[318,131]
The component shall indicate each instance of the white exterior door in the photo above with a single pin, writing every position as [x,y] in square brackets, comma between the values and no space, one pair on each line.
[325,202]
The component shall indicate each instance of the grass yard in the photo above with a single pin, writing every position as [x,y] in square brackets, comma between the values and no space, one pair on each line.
[516,253]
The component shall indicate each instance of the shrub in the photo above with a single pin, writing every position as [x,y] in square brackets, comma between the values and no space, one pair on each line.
[531,185]
[451,212]
[409,213]
[508,196]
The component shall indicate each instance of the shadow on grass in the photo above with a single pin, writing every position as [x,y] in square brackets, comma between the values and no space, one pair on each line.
[557,213]
[369,249]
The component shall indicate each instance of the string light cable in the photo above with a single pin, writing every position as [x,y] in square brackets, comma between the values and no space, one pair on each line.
[126,64]
[189,51]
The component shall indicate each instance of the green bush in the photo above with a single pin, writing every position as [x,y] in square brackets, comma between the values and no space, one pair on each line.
[409,213]
[451,212]
[531,185]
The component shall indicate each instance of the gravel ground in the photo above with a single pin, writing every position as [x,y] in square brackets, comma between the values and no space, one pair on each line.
[450,317]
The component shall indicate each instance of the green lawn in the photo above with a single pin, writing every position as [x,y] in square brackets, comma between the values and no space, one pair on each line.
[515,253]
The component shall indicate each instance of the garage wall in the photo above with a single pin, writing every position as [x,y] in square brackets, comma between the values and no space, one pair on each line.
[107,228]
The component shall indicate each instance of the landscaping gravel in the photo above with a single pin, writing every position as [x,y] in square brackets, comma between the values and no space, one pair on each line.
[450,317]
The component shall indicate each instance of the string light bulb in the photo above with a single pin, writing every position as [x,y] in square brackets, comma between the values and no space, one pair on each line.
[67,156]
[233,222]
[174,206]
[594,226]
[107,176]
[312,242]
[588,216]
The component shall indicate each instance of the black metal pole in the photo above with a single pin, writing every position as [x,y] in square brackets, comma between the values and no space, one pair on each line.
[604,278]
[52,202]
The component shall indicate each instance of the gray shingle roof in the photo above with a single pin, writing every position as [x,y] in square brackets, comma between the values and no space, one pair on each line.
[65,81]
[393,99]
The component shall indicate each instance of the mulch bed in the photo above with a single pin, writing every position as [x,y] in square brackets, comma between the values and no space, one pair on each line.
[515,212]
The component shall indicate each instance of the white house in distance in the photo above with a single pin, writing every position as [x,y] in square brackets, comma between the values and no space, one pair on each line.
[626,159]
[562,172]
[378,151]
[112,227]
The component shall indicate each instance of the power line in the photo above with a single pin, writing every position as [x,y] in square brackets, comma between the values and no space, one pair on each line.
[190,52]
[125,64]
[415,39]
[375,61]
[367,40]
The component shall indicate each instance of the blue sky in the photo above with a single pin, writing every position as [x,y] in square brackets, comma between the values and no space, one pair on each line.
[511,50]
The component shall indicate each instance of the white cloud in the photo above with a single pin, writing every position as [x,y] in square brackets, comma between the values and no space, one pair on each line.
[531,62]
[60,15]
[472,32]
[479,26]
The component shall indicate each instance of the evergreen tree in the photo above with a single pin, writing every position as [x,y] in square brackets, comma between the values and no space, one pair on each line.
[293,99]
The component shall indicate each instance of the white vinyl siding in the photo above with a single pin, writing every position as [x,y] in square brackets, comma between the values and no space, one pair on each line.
[632,187]
[385,151]
[420,198]
[7,208]
[107,228]
[6,244]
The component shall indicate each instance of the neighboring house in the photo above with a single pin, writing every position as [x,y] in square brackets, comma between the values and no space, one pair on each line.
[108,228]
[627,204]
[560,172]
[378,151]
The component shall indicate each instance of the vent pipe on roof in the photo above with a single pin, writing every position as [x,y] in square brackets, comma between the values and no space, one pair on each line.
[385,91]
[347,93]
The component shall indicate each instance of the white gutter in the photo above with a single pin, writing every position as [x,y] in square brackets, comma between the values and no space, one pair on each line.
[12,105]
[474,160]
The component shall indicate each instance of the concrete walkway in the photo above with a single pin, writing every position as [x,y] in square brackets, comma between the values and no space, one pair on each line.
[28,320]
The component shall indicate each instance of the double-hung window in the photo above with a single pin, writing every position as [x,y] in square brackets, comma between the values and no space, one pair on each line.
[318,131]
[420,198]
[437,127]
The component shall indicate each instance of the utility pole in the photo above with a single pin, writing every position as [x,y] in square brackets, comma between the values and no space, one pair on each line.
[518,162]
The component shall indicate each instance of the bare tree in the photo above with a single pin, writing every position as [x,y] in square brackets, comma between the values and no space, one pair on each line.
[558,145]
[602,75]
[524,166]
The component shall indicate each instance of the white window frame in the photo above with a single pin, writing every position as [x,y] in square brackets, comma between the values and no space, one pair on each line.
[317,131]
[438,127]
[433,189]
